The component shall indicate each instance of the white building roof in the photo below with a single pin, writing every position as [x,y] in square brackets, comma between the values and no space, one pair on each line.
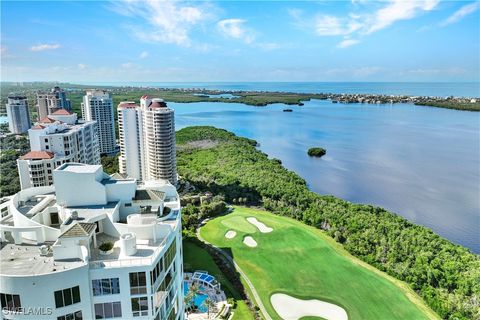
[79,168]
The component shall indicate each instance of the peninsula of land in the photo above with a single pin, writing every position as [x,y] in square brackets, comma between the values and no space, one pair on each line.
[253,98]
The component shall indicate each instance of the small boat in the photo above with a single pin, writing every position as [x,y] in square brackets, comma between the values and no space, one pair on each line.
[287,110]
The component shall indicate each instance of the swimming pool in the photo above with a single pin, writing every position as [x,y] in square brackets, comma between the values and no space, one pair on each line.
[198,300]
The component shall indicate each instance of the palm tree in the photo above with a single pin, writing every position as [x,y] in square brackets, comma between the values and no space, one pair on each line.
[190,296]
[208,303]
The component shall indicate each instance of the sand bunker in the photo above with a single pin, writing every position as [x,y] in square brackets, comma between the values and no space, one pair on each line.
[260,225]
[249,241]
[230,234]
[290,308]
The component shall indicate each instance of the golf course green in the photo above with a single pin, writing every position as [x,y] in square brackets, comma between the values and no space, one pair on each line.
[303,262]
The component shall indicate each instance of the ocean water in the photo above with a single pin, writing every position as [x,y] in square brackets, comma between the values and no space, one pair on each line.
[422,163]
[440,89]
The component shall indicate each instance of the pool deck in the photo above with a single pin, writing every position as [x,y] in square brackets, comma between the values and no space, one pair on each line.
[218,296]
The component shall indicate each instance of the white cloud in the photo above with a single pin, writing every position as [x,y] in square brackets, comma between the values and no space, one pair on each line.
[168,21]
[398,10]
[234,28]
[143,55]
[347,43]
[42,47]
[329,26]
[359,23]
[462,12]
[332,26]
[82,66]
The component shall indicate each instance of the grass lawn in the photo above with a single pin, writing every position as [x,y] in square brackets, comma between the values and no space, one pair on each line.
[301,261]
[197,258]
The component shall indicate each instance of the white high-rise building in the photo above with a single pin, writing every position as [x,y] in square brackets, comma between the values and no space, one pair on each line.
[131,140]
[147,140]
[49,102]
[112,250]
[55,140]
[97,106]
[17,114]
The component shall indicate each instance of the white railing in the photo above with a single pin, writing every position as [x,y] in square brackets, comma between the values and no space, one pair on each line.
[97,264]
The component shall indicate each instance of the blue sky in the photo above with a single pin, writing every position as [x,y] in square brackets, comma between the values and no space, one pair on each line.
[133,41]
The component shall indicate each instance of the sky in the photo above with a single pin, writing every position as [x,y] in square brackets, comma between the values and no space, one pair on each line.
[217,41]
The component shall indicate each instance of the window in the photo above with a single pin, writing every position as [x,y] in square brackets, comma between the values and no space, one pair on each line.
[108,310]
[138,283]
[54,218]
[170,254]
[10,302]
[67,297]
[72,316]
[128,204]
[140,306]
[155,273]
[105,286]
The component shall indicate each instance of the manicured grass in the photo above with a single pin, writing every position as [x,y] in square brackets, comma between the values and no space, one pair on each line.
[197,258]
[303,262]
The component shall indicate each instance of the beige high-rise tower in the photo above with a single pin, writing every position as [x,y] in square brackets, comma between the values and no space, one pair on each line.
[147,140]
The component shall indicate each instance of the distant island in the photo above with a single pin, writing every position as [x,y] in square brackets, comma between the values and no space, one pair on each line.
[316,152]
[253,98]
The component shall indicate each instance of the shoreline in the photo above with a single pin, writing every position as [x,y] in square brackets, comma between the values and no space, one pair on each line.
[258,98]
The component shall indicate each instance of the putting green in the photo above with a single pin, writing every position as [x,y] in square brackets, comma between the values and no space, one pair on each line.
[303,262]
[239,224]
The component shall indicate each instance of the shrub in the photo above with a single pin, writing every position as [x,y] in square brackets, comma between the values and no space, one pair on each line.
[106,246]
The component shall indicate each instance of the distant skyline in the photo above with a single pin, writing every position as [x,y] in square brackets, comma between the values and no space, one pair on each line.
[215,41]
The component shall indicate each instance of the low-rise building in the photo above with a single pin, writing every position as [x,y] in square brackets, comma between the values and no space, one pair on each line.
[112,250]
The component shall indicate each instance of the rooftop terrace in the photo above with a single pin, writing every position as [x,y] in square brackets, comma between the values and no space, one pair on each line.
[25,259]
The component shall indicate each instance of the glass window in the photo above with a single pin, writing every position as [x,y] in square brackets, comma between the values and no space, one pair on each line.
[117,309]
[98,310]
[67,297]
[58,299]
[10,301]
[138,283]
[108,310]
[72,316]
[96,287]
[76,294]
[139,306]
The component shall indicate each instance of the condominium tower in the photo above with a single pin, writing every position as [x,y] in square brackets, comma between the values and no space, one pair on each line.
[112,250]
[147,140]
[54,140]
[49,102]
[97,106]
[17,114]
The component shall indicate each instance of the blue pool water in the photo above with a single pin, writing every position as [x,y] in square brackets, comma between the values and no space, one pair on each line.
[198,300]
